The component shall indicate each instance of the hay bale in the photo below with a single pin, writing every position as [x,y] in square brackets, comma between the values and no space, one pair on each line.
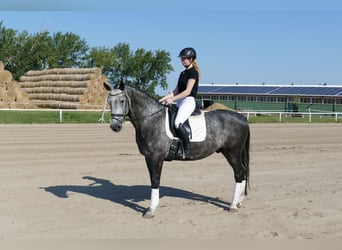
[56,90]
[2,66]
[95,94]
[73,77]
[2,95]
[56,105]
[22,97]
[216,106]
[11,96]
[77,88]
[64,71]
[56,97]
[5,76]
[55,84]
[13,86]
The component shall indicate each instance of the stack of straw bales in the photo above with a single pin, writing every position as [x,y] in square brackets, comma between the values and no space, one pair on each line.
[216,106]
[11,95]
[65,88]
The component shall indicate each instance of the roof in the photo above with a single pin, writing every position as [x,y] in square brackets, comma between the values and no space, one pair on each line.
[299,90]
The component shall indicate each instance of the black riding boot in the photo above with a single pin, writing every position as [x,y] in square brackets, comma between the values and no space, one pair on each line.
[184,136]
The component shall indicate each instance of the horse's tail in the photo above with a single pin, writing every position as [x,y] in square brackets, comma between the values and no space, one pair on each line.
[245,159]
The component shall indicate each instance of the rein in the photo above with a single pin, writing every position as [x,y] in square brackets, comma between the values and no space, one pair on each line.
[147,116]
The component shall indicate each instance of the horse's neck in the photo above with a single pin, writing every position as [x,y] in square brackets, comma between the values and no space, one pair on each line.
[141,105]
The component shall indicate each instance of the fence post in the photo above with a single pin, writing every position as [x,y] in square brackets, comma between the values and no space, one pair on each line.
[309,116]
[279,116]
[60,116]
[336,117]
[102,120]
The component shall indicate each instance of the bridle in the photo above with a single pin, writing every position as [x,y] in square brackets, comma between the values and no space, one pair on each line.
[127,108]
[127,105]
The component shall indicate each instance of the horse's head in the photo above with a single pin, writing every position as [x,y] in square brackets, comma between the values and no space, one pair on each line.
[119,105]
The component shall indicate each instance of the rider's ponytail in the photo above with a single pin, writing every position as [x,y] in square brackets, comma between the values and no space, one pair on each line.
[195,64]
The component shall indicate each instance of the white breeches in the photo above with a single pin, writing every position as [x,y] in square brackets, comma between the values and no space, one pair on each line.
[185,106]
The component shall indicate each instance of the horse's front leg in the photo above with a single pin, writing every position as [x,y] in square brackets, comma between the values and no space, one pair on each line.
[155,165]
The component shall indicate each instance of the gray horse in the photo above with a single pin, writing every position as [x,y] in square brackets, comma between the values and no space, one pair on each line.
[227,133]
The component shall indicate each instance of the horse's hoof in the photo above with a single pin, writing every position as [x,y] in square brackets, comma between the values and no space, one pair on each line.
[233,210]
[149,213]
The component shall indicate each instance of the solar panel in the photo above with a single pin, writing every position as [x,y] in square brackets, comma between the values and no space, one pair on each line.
[272,90]
[235,89]
[287,91]
[208,89]
[332,91]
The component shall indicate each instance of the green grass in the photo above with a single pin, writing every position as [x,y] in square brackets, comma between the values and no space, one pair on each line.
[289,119]
[35,117]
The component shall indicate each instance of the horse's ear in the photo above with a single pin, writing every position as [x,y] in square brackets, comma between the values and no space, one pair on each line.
[122,86]
[108,86]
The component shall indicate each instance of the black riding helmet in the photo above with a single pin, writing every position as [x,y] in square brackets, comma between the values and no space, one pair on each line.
[188,53]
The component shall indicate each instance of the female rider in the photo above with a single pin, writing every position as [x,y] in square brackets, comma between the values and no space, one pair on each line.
[185,94]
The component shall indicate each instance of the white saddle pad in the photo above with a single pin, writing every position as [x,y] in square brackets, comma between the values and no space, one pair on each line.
[197,124]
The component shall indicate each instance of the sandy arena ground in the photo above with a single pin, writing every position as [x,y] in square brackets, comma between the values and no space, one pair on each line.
[87,182]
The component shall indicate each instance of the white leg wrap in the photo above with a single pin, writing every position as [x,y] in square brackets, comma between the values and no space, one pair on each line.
[154,198]
[242,195]
[238,195]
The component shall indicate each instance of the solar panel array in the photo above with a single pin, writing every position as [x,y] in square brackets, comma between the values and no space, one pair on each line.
[271,90]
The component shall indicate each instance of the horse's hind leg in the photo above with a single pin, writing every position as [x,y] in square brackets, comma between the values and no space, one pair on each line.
[238,195]
[235,160]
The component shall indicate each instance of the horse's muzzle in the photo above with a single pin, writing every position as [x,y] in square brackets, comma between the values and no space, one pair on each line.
[116,124]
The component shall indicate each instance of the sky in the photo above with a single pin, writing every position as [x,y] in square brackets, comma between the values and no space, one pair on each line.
[245,42]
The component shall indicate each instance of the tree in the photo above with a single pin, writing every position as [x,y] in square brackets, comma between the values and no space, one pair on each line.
[33,52]
[103,58]
[149,69]
[113,62]
[143,69]
[122,69]
[69,51]
[8,47]
[22,52]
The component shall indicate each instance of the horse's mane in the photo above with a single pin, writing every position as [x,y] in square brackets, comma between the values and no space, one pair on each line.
[148,95]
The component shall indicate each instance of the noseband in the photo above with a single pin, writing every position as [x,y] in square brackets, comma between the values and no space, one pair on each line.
[127,105]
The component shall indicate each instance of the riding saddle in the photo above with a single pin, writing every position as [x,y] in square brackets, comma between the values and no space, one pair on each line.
[173,109]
